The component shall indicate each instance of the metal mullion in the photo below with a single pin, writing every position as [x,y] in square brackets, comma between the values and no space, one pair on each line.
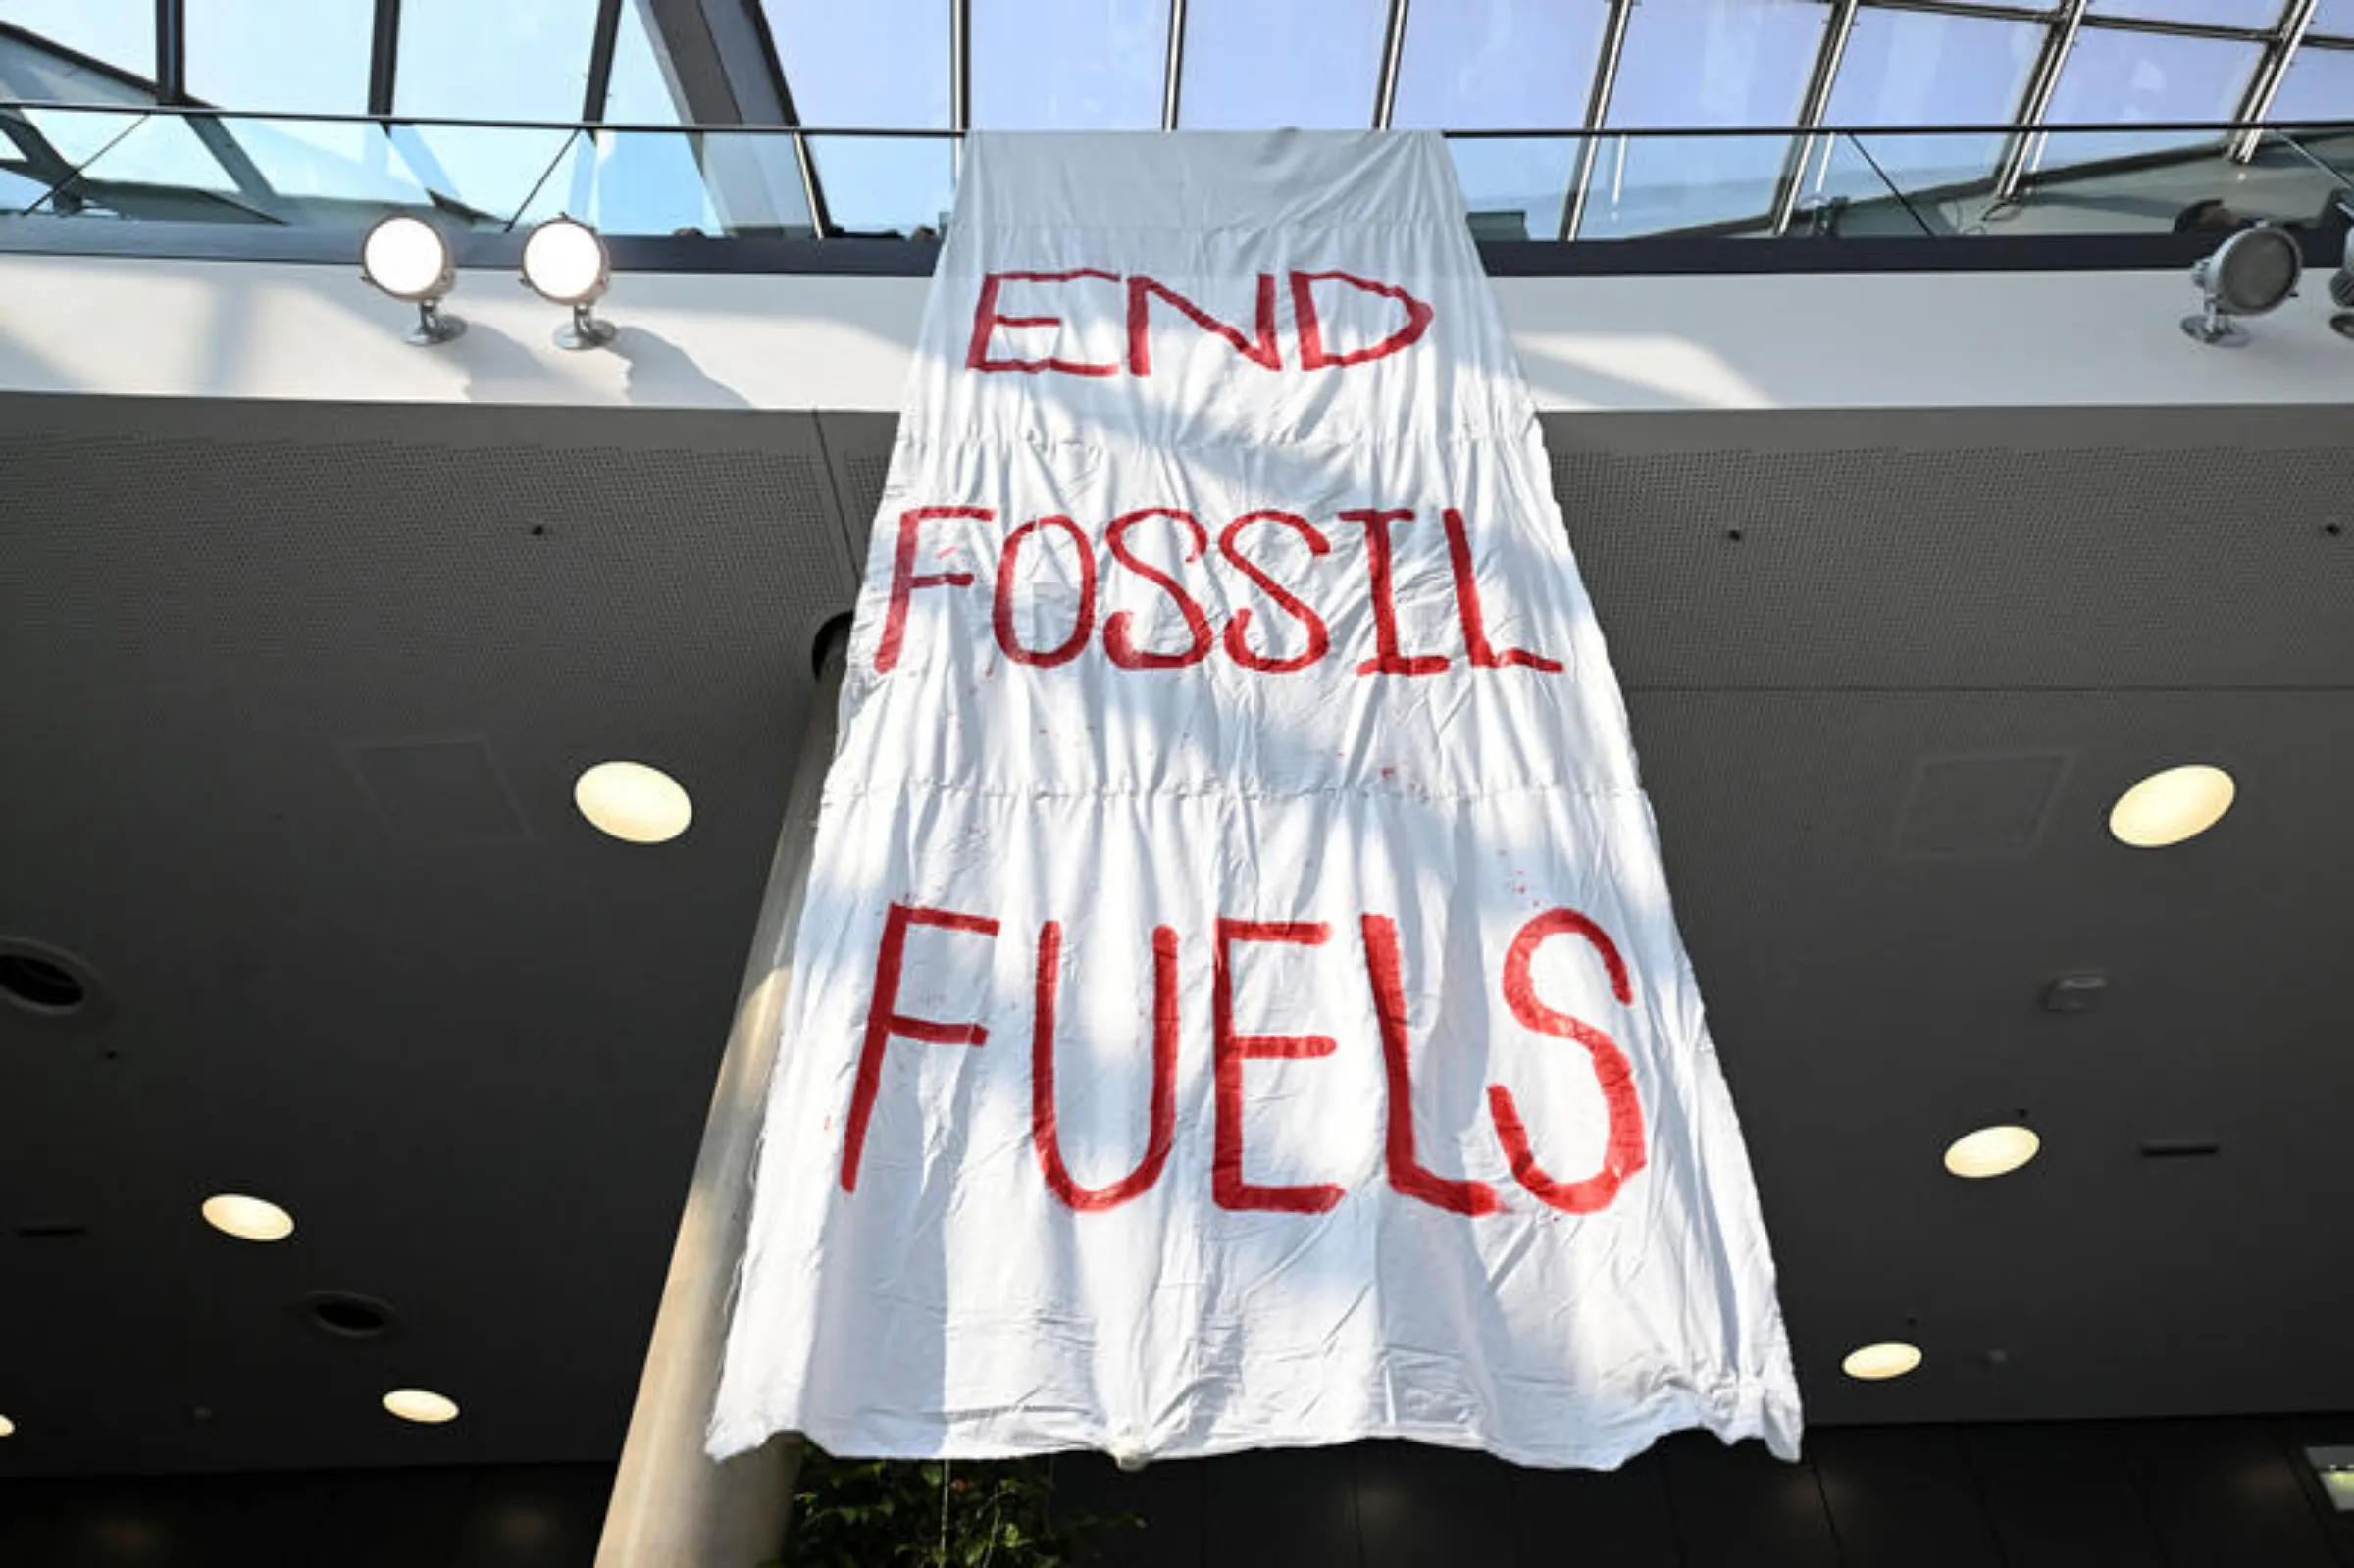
[382,57]
[1954,8]
[960,66]
[2164,28]
[1173,74]
[602,43]
[1598,109]
[1813,108]
[1393,53]
[172,50]
[2265,85]
[813,193]
[2036,100]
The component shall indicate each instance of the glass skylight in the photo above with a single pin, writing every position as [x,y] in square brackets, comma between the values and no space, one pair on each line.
[1069,65]
[1314,63]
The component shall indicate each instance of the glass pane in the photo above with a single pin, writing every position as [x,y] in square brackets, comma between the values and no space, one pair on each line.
[18,192]
[1662,184]
[1068,64]
[2129,77]
[679,182]
[508,59]
[2332,19]
[114,32]
[885,184]
[264,54]
[34,73]
[317,166]
[162,150]
[484,173]
[1918,68]
[1947,180]
[1709,63]
[1498,64]
[78,135]
[1311,64]
[2319,85]
[879,65]
[641,91]
[1515,189]
[1843,193]
[2256,16]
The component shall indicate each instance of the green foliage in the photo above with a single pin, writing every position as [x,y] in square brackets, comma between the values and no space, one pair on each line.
[888,1513]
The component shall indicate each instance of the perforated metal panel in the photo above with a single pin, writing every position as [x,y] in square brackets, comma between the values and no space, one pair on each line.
[1971,548]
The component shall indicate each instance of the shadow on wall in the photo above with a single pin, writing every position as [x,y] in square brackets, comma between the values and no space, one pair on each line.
[656,372]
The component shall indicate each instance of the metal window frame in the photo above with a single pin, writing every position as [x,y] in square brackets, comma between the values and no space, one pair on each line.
[603,41]
[172,50]
[1393,55]
[1598,109]
[1813,108]
[1172,79]
[2296,20]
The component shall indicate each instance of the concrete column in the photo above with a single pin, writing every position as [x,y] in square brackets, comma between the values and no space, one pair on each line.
[672,1506]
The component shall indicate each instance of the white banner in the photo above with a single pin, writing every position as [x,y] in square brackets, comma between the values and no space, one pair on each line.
[1238,1003]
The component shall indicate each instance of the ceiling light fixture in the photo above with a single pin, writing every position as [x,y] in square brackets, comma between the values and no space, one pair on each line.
[2172,807]
[2252,273]
[46,982]
[409,259]
[632,803]
[1877,1363]
[2335,1464]
[1991,1151]
[564,262]
[248,1219]
[8,1427]
[422,1406]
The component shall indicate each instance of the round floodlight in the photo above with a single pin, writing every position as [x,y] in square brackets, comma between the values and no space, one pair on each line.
[2252,273]
[422,1406]
[635,803]
[408,259]
[1991,1151]
[8,1427]
[2169,807]
[564,261]
[248,1219]
[1877,1363]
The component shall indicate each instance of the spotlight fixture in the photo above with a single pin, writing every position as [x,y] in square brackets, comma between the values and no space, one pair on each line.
[2252,273]
[2342,293]
[1877,1363]
[422,1406]
[564,262]
[409,259]
[8,1427]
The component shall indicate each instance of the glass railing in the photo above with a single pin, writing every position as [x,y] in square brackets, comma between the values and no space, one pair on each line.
[66,170]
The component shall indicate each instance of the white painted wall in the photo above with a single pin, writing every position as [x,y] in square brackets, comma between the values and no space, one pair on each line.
[237,330]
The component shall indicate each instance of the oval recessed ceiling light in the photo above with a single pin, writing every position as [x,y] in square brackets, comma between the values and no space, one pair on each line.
[248,1219]
[1992,1151]
[422,1406]
[635,803]
[1875,1363]
[46,983]
[2169,807]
